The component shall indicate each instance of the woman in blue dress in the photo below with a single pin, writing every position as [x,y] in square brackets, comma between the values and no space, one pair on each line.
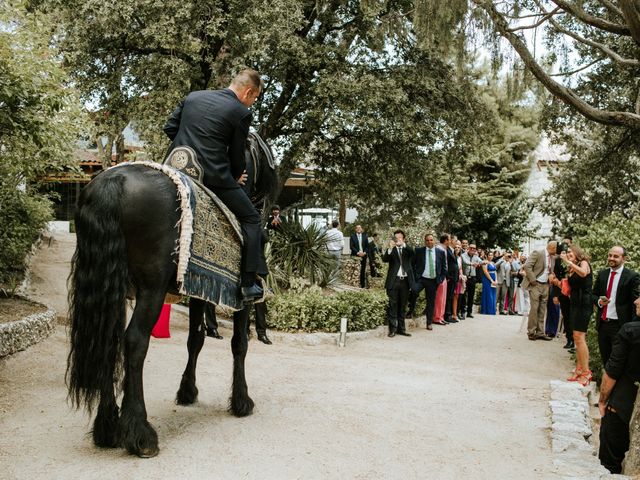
[488,303]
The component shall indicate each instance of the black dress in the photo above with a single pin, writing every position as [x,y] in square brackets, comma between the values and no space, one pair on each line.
[581,301]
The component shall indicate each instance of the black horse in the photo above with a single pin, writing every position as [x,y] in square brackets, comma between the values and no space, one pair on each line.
[126,225]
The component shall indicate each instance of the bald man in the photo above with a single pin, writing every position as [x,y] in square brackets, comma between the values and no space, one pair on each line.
[614,291]
[538,269]
[215,124]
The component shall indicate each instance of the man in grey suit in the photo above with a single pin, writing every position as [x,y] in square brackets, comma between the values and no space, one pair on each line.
[536,281]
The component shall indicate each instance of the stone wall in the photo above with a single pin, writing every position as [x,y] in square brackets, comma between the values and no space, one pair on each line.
[16,336]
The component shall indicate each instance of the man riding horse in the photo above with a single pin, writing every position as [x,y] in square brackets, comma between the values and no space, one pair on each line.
[215,124]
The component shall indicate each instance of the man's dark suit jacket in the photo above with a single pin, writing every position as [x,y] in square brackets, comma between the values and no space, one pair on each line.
[628,291]
[393,259]
[215,124]
[353,244]
[452,265]
[420,262]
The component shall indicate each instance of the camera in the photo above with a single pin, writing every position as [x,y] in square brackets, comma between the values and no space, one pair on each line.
[562,247]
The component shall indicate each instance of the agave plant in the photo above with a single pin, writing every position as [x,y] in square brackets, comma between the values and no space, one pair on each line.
[298,251]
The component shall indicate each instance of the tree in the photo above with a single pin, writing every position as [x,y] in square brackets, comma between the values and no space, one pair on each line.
[604,35]
[39,125]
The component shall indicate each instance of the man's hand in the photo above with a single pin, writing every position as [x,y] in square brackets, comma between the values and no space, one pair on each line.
[556,301]
[602,407]
[243,178]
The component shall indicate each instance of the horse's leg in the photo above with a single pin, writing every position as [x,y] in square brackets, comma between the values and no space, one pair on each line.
[136,434]
[105,427]
[241,404]
[188,392]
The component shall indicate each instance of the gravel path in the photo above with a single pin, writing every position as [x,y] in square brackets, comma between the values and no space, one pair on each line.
[468,400]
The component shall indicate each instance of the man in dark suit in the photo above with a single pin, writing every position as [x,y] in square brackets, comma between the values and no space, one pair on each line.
[614,289]
[274,221]
[399,279]
[359,244]
[215,124]
[429,272]
[560,271]
[452,277]
[618,392]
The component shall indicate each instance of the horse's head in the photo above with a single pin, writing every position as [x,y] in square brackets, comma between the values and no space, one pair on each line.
[261,170]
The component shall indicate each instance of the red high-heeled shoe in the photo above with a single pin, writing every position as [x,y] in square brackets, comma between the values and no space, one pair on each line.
[585,378]
[577,372]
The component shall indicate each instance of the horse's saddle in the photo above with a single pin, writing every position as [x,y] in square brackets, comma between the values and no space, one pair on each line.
[185,160]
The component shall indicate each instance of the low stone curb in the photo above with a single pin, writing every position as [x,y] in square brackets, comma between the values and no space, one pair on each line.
[19,335]
[318,338]
[574,455]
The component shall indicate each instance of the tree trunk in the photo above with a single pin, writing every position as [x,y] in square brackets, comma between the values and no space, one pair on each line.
[342,214]
[632,460]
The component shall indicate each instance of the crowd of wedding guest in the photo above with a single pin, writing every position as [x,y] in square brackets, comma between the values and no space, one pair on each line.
[550,288]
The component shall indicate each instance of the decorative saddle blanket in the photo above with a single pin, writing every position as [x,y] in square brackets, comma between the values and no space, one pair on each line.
[209,245]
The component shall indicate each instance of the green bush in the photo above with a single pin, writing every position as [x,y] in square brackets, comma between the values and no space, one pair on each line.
[296,251]
[311,311]
[22,219]
[597,239]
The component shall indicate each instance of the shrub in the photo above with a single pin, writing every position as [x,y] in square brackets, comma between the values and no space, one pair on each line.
[296,251]
[22,219]
[598,238]
[310,310]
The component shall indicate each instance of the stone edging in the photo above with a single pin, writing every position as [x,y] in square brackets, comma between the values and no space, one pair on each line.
[16,336]
[318,338]
[573,455]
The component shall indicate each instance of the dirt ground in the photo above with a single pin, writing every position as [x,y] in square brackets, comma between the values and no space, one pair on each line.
[468,400]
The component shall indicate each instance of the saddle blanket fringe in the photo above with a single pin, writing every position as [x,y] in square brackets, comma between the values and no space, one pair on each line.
[209,245]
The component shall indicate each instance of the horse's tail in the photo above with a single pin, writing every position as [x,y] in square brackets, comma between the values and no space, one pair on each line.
[97,293]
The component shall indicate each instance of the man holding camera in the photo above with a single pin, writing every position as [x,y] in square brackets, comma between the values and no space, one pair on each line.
[399,281]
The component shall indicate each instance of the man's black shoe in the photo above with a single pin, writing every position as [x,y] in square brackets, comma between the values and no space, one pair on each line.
[404,334]
[542,336]
[264,339]
[451,320]
[469,315]
[391,334]
[249,294]
[213,333]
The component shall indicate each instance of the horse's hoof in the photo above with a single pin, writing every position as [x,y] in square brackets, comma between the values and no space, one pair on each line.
[148,452]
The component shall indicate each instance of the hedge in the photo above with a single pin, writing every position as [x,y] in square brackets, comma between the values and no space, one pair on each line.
[313,311]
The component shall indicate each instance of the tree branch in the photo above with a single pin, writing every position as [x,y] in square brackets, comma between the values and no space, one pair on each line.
[627,62]
[577,70]
[545,16]
[567,95]
[597,22]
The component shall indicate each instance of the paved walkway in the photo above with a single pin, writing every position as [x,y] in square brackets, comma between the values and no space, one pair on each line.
[469,400]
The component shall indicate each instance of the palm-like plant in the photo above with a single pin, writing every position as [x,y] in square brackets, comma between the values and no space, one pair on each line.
[298,251]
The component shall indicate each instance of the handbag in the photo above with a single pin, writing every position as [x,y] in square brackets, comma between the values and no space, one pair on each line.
[565,288]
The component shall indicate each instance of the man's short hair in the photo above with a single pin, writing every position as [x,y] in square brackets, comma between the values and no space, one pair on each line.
[248,78]
[400,231]
[335,224]
[444,237]
[275,207]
